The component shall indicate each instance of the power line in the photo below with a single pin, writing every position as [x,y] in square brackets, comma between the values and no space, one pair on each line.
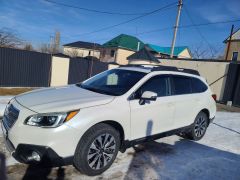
[199,32]
[155,30]
[188,26]
[211,23]
[130,20]
[183,26]
[94,10]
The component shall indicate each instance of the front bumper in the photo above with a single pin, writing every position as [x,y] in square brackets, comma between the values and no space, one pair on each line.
[7,142]
[23,153]
[48,157]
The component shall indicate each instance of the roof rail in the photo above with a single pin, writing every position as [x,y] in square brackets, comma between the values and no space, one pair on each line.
[173,68]
[138,65]
[163,68]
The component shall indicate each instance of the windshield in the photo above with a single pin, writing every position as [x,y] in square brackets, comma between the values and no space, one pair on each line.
[114,82]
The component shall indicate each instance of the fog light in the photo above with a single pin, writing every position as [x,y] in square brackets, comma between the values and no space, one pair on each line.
[34,157]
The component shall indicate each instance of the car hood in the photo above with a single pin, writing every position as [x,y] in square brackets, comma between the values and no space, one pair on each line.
[61,99]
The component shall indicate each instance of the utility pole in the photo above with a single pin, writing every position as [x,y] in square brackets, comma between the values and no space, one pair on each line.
[229,42]
[180,4]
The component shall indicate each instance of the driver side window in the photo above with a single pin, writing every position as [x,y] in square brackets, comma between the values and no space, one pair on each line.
[157,84]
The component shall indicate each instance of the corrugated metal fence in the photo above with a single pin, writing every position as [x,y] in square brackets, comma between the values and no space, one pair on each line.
[19,68]
[232,86]
[80,69]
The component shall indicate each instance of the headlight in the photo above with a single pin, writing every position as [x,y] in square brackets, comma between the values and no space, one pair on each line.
[50,120]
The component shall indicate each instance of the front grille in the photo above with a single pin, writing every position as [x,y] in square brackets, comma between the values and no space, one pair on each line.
[10,116]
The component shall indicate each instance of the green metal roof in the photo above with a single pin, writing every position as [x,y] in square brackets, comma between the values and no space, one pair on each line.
[125,41]
[167,50]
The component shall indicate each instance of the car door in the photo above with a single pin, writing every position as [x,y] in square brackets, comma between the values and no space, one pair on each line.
[152,117]
[185,103]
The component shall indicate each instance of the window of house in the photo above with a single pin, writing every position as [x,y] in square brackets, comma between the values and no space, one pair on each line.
[234,56]
[181,85]
[157,84]
[112,53]
[89,53]
[103,53]
[198,86]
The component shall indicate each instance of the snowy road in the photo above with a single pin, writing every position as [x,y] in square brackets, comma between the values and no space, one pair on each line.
[216,156]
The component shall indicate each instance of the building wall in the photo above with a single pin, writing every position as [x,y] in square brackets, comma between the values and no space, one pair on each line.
[106,55]
[211,71]
[234,47]
[121,56]
[142,62]
[60,68]
[80,52]
[185,54]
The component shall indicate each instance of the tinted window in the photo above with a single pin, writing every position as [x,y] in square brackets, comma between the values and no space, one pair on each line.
[157,84]
[181,84]
[113,82]
[198,86]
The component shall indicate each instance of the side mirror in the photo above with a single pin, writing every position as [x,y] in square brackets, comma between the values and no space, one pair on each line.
[148,96]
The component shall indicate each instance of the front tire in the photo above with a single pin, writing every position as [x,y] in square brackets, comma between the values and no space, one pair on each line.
[199,127]
[97,149]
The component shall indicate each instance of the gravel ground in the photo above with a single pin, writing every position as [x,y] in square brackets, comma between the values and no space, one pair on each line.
[216,156]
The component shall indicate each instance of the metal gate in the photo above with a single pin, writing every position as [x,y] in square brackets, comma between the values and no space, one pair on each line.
[81,69]
[20,68]
[232,86]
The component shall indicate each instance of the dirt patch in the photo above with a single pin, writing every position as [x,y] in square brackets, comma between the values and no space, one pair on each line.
[14,91]
[3,148]
[223,107]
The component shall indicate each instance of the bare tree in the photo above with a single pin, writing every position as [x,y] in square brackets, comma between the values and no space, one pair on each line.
[44,48]
[9,39]
[201,51]
[28,46]
[73,53]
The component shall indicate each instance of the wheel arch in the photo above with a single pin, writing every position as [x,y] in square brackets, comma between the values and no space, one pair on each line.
[119,128]
[207,112]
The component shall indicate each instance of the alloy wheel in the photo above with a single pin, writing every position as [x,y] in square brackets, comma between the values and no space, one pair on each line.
[101,151]
[200,126]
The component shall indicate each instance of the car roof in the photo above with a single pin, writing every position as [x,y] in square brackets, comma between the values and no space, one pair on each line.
[156,68]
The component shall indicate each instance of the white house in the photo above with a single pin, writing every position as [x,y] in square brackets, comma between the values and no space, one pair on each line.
[82,49]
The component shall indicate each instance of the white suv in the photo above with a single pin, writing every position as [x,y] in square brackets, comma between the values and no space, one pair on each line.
[87,124]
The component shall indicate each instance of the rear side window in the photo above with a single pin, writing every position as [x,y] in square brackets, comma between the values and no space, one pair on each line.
[198,86]
[181,85]
[157,84]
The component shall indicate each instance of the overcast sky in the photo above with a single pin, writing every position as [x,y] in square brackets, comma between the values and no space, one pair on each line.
[36,20]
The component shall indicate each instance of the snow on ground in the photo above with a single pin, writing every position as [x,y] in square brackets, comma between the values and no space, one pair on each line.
[3,102]
[216,156]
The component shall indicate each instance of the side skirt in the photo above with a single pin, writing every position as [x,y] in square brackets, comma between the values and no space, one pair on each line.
[127,144]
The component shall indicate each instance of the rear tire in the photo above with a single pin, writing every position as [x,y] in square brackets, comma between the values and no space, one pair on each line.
[97,149]
[199,127]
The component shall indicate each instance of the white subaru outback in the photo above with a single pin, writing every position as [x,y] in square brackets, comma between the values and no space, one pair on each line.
[87,124]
